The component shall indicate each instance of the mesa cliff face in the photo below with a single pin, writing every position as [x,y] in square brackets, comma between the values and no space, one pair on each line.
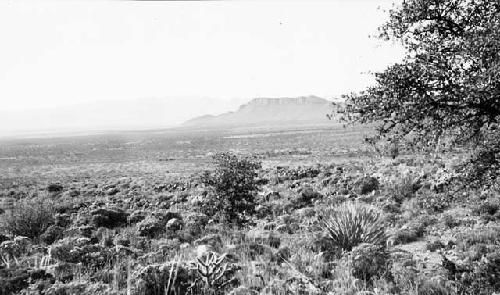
[270,111]
[302,100]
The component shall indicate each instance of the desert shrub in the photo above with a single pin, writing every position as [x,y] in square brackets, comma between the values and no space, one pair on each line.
[404,189]
[489,235]
[234,184]
[403,269]
[488,210]
[109,218]
[351,224]
[433,203]
[13,280]
[164,279]
[450,221]
[54,188]
[477,270]
[52,234]
[12,250]
[487,272]
[434,287]
[409,278]
[344,282]
[410,208]
[29,218]
[369,261]
[478,275]
[366,185]
[412,230]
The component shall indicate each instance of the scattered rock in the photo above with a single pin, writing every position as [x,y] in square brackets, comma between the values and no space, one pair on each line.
[112,191]
[136,216]
[155,224]
[174,224]
[213,240]
[203,250]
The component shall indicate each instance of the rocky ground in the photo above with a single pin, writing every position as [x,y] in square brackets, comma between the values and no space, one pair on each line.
[145,234]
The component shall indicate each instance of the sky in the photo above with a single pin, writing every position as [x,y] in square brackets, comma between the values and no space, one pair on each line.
[70,55]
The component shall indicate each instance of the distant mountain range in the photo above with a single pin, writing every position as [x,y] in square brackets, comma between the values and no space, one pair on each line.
[145,114]
[139,114]
[270,111]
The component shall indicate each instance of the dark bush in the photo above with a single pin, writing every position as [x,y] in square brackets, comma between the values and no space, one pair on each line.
[109,218]
[369,261]
[488,210]
[54,188]
[52,234]
[366,185]
[234,184]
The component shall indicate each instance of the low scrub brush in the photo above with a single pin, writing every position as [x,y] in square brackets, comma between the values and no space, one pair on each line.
[29,218]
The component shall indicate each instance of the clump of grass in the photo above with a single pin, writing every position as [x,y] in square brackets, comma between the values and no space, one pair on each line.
[29,218]
[351,224]
[404,189]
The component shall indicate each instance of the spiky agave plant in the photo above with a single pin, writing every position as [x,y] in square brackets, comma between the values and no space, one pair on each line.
[351,224]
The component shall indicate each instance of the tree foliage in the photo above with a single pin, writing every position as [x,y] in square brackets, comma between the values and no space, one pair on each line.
[234,184]
[448,84]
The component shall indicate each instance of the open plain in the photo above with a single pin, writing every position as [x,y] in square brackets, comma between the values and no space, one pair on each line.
[123,213]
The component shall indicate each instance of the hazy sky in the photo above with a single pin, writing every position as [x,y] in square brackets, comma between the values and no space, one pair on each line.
[58,53]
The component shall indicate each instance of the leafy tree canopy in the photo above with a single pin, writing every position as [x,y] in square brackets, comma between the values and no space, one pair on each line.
[447,85]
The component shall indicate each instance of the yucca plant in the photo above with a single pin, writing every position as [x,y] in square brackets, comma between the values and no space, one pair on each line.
[351,224]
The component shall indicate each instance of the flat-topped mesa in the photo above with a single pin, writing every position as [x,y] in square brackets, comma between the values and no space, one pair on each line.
[290,111]
[302,100]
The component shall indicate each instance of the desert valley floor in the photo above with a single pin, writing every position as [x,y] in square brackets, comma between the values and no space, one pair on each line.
[123,213]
